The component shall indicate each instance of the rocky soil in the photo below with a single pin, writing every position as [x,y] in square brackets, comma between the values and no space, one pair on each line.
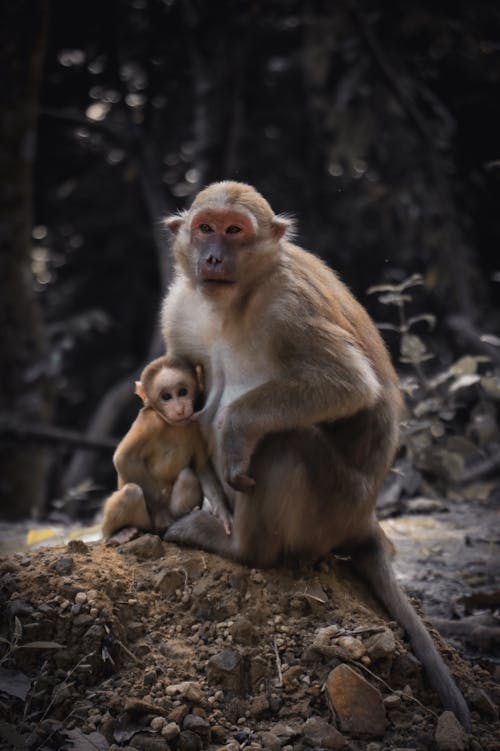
[150,646]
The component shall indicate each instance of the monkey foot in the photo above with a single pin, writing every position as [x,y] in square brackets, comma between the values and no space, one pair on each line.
[124,535]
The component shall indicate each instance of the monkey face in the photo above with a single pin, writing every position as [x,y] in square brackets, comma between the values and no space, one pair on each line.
[174,395]
[228,241]
[219,237]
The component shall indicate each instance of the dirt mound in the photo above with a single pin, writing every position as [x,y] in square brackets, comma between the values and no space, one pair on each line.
[155,647]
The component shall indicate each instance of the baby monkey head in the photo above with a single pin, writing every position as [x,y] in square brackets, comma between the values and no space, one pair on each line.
[171,386]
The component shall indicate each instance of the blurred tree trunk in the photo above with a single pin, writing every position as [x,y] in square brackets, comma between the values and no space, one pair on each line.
[23,386]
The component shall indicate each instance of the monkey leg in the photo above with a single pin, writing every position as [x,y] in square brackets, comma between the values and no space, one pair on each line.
[201,529]
[186,493]
[125,508]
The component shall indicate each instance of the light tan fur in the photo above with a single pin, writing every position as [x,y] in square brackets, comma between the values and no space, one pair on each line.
[303,404]
[161,464]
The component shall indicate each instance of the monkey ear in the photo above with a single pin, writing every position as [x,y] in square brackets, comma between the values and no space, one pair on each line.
[174,223]
[199,376]
[282,226]
[139,390]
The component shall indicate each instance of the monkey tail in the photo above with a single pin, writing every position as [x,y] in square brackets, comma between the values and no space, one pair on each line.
[372,563]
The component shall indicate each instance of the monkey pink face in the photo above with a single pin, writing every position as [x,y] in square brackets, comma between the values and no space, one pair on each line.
[219,235]
[175,393]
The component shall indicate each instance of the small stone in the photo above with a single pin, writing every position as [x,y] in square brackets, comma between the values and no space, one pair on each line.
[270,741]
[392,701]
[189,690]
[482,702]
[244,632]
[149,678]
[178,713]
[65,565]
[358,704]
[381,646]
[168,580]
[219,733]
[148,742]
[145,547]
[450,735]
[170,731]
[158,723]
[225,669]
[80,598]
[198,725]
[189,741]
[349,648]
[78,546]
[259,706]
[140,706]
[319,732]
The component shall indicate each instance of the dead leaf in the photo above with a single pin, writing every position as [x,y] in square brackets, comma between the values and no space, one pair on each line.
[14,683]
[78,741]
[491,384]
[464,381]
[467,365]
[9,734]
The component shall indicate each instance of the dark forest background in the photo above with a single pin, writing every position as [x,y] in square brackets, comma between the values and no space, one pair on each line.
[375,123]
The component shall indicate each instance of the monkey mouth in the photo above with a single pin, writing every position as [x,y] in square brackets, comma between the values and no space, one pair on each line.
[217,282]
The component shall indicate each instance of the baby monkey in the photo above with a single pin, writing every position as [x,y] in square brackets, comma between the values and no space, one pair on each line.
[162,463]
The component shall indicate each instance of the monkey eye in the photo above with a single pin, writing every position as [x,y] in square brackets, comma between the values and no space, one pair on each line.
[206,229]
[182,392]
[166,396]
[233,229]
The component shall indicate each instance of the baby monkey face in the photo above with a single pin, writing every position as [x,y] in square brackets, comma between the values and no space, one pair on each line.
[175,395]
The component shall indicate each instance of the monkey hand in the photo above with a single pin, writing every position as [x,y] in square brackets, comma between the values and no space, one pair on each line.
[236,471]
[222,513]
[237,449]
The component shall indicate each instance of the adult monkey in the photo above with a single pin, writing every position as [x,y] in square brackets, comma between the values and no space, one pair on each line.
[303,404]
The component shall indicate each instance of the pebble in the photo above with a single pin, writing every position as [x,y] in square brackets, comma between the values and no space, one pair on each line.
[349,648]
[270,741]
[80,598]
[358,704]
[381,646]
[170,580]
[189,741]
[225,669]
[392,701]
[158,723]
[244,632]
[197,725]
[482,702]
[170,730]
[145,547]
[189,690]
[149,678]
[450,735]
[65,565]
[178,713]
[319,732]
[78,546]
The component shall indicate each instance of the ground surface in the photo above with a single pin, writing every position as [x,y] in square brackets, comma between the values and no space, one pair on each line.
[156,647]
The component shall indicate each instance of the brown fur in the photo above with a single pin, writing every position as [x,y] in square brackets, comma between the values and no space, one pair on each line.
[303,404]
[160,465]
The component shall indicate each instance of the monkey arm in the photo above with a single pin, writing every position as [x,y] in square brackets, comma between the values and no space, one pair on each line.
[212,489]
[334,380]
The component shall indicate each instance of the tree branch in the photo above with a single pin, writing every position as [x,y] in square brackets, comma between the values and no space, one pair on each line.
[11,427]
